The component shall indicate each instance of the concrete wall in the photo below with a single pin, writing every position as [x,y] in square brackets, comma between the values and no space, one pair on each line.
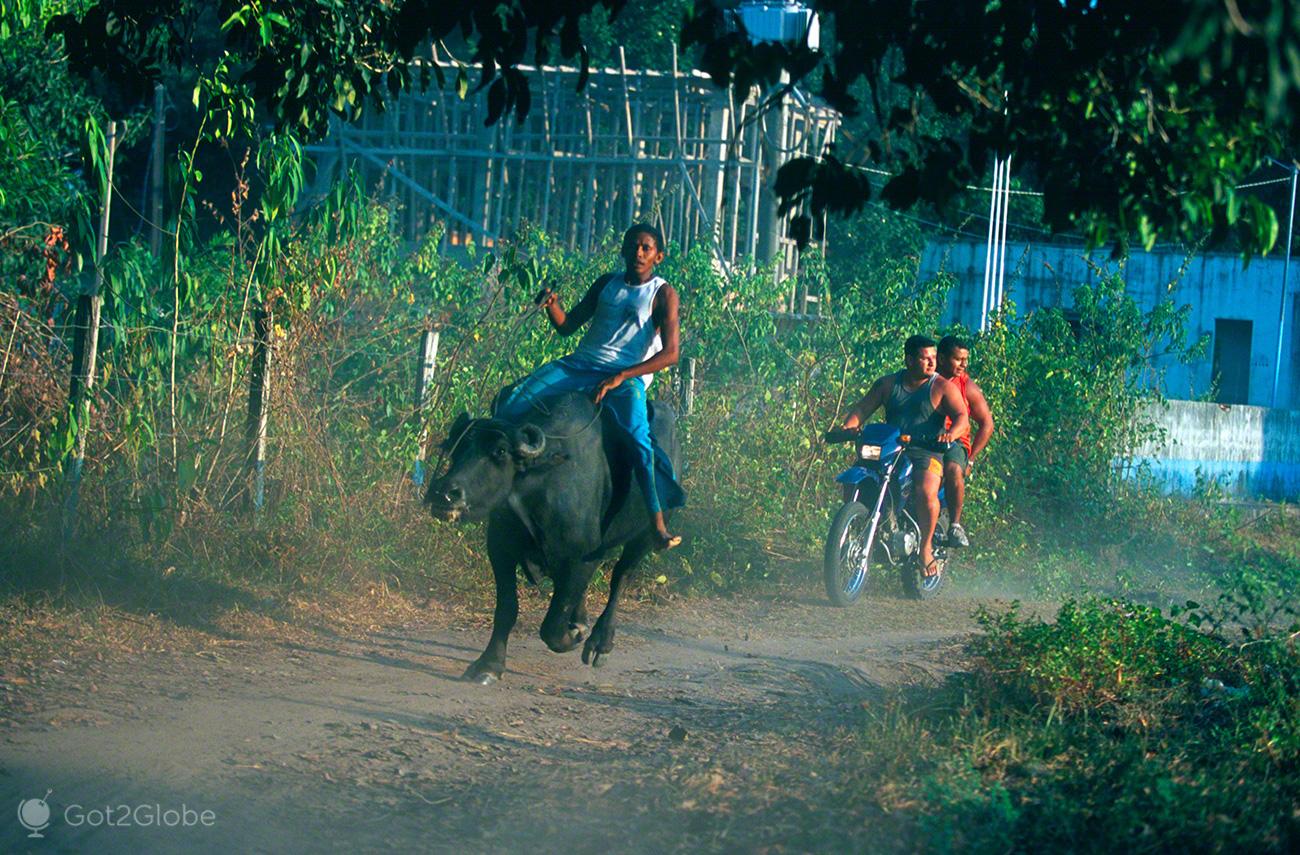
[1216,286]
[1251,452]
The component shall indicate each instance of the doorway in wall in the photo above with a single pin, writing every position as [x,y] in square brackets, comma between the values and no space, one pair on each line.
[1232,360]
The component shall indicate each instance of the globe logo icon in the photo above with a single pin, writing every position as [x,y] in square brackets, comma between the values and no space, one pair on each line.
[34,814]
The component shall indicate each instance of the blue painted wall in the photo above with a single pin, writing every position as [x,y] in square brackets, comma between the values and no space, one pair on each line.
[1215,285]
[1250,452]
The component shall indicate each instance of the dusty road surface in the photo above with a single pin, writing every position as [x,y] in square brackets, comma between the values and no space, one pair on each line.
[709,727]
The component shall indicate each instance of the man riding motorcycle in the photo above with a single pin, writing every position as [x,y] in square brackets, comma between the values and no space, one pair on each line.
[927,407]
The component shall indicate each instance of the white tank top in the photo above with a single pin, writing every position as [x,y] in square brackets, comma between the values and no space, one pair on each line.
[622,331]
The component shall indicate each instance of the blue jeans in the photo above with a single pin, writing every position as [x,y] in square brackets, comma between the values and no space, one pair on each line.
[627,404]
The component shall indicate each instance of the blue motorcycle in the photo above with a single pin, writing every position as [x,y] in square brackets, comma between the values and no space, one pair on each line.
[874,533]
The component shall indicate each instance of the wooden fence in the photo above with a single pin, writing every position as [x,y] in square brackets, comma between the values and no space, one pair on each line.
[669,147]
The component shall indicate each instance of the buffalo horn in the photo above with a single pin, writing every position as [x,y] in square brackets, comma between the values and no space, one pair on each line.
[530,441]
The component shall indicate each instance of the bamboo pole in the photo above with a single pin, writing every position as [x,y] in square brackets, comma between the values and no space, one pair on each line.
[85,349]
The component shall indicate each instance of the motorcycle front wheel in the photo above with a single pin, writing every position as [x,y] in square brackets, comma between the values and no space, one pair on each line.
[847,558]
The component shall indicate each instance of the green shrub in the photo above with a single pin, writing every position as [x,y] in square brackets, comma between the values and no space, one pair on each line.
[1111,728]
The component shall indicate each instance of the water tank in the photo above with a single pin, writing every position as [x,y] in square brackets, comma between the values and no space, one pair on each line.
[787,23]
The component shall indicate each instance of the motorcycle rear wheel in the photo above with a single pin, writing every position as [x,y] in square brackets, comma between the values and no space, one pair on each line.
[847,559]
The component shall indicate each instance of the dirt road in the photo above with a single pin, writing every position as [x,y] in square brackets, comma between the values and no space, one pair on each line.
[708,728]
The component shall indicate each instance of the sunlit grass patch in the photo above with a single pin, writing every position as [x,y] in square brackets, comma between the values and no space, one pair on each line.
[1112,728]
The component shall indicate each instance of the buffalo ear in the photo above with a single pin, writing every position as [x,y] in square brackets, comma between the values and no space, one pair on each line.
[456,431]
[530,442]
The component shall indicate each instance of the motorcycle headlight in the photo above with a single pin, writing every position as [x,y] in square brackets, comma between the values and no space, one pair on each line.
[869,452]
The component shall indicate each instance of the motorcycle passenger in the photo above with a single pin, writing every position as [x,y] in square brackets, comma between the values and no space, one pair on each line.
[954,357]
[919,403]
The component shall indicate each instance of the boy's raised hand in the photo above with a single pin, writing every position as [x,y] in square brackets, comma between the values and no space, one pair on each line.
[545,298]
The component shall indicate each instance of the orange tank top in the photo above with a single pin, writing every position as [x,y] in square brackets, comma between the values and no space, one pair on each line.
[961,382]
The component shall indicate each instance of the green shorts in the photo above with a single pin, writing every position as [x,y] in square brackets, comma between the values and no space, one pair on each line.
[924,460]
[956,453]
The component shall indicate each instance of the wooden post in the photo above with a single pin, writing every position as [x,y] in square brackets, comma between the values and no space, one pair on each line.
[408,139]
[259,398]
[588,208]
[755,189]
[687,380]
[423,392]
[640,191]
[85,347]
[548,188]
[774,142]
[736,162]
[520,187]
[453,187]
[629,207]
[156,171]
[678,208]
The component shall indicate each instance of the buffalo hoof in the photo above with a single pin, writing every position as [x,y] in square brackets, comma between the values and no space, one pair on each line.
[598,645]
[480,674]
[567,640]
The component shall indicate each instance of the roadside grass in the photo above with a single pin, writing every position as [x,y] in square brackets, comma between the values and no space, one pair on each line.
[225,576]
[1116,726]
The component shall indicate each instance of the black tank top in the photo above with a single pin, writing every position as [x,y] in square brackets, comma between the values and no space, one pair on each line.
[912,411]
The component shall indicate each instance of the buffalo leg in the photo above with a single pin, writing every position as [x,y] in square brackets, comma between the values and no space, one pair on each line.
[579,620]
[491,664]
[601,640]
[559,630]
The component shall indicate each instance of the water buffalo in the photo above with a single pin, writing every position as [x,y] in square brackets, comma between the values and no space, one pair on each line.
[558,495]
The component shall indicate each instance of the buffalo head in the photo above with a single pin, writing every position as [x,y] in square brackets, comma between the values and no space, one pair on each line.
[484,457]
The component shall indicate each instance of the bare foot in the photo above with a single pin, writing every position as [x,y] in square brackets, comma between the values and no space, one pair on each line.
[664,540]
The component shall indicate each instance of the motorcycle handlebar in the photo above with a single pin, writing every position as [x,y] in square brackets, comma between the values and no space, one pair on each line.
[849,434]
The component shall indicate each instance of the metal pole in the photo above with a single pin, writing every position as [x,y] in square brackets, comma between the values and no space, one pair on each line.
[1002,239]
[1286,281]
[423,391]
[988,251]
